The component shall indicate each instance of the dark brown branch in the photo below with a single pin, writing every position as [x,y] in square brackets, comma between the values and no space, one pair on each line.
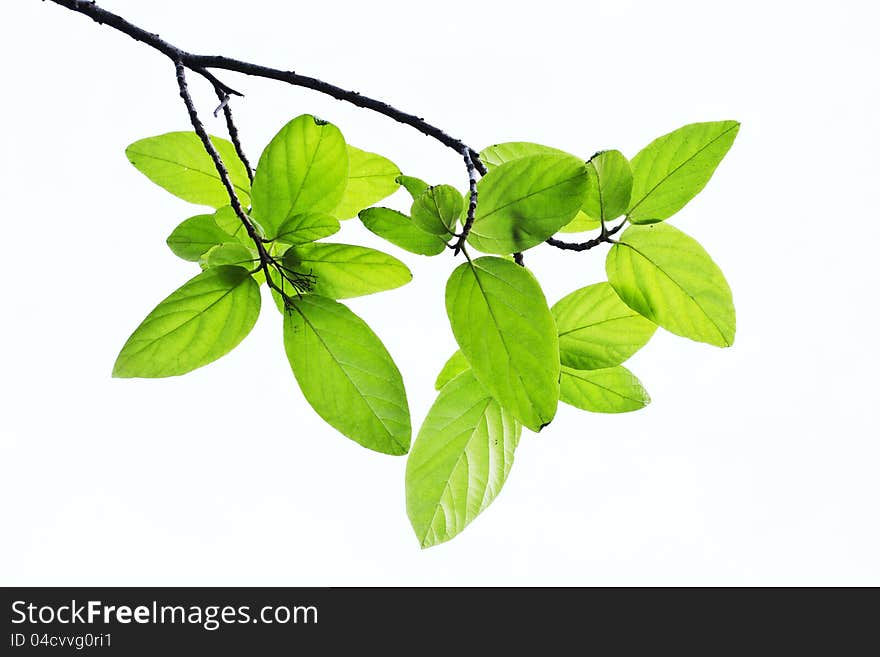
[589,244]
[472,201]
[201,63]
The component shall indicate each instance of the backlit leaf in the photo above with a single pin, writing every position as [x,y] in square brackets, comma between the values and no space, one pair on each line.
[203,320]
[303,169]
[669,278]
[460,460]
[346,374]
[501,321]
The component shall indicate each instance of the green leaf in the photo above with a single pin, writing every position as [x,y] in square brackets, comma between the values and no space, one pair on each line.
[415,186]
[371,178]
[495,156]
[308,227]
[611,181]
[303,169]
[597,330]
[178,163]
[673,169]
[501,321]
[460,460]
[456,364]
[666,276]
[437,210]
[196,236]
[203,320]
[346,374]
[399,229]
[523,202]
[342,271]
[580,223]
[611,390]
[227,220]
[229,253]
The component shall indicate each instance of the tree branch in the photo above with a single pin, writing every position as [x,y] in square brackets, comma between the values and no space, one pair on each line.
[589,244]
[201,64]
[232,129]
[472,201]
[266,260]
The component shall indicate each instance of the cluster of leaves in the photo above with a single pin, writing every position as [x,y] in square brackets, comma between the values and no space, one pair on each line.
[518,357]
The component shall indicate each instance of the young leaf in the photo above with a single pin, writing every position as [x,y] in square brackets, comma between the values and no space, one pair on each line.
[580,223]
[501,321]
[229,253]
[415,186]
[196,236]
[437,210]
[227,220]
[342,271]
[496,155]
[456,364]
[611,390]
[308,227]
[203,320]
[597,330]
[673,169]
[346,374]
[666,276]
[303,169]
[611,182]
[371,178]
[460,460]
[399,229]
[523,202]
[177,162]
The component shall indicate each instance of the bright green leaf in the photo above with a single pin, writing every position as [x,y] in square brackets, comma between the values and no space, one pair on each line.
[460,460]
[437,210]
[673,169]
[494,156]
[228,221]
[229,253]
[580,223]
[611,390]
[305,228]
[501,321]
[371,178]
[597,330]
[196,236]
[399,229]
[342,271]
[177,162]
[456,364]
[203,320]
[666,276]
[346,374]
[525,201]
[303,169]
[611,181]
[415,186]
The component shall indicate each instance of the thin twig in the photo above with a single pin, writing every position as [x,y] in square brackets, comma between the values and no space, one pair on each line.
[472,201]
[605,236]
[232,129]
[266,260]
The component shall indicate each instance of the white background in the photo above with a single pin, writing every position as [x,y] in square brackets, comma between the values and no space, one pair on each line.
[754,465]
